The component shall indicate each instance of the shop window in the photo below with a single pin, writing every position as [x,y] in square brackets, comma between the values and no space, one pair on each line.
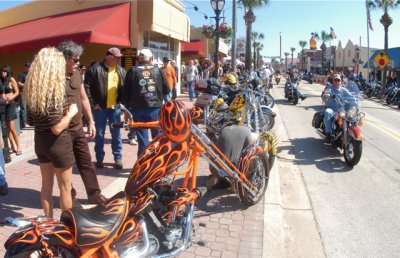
[159,41]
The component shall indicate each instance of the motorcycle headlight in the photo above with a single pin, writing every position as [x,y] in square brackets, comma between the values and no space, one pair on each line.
[361,115]
[352,113]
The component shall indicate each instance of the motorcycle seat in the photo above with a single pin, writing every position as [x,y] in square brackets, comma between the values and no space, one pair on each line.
[96,225]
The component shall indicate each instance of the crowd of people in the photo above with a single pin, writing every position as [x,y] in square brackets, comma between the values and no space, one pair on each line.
[60,96]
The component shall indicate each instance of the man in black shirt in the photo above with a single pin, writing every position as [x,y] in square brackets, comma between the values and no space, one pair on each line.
[21,101]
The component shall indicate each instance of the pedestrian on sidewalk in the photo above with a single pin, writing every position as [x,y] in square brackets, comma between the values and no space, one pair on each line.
[170,76]
[11,92]
[145,87]
[50,115]
[76,93]
[104,82]
[174,92]
[21,101]
[191,77]
[3,181]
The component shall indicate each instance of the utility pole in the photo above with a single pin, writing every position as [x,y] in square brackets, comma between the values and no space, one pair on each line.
[233,51]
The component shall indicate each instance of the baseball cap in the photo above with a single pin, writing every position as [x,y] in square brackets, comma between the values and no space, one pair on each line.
[336,76]
[114,51]
[145,52]
[27,64]
[166,59]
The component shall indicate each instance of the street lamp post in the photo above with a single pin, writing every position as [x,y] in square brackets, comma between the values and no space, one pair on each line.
[358,61]
[217,6]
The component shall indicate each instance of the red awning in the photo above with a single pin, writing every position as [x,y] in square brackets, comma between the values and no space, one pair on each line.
[193,48]
[105,25]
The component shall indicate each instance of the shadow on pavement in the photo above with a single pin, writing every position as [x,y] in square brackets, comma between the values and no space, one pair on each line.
[313,151]
[10,205]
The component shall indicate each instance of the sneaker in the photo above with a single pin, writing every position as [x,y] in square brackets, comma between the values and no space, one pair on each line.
[132,142]
[118,164]
[97,198]
[303,97]
[99,164]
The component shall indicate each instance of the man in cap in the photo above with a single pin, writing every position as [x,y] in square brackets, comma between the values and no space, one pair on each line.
[170,76]
[145,87]
[333,104]
[104,82]
[21,101]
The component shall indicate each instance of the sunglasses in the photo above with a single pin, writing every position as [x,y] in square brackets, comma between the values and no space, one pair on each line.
[75,60]
[337,80]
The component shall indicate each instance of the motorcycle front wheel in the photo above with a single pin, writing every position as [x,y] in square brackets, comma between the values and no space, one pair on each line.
[352,152]
[58,251]
[258,175]
[295,100]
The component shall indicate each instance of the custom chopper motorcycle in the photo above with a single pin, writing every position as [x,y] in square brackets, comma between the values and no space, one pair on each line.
[153,216]
[347,134]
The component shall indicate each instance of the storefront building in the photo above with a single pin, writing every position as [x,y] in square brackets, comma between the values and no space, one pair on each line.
[160,25]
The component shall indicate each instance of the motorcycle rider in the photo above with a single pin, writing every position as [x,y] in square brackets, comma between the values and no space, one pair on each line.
[293,78]
[333,104]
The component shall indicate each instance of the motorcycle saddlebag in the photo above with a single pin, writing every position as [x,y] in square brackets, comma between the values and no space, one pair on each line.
[318,119]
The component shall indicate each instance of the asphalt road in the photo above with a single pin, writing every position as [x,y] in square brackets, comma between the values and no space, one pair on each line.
[356,210]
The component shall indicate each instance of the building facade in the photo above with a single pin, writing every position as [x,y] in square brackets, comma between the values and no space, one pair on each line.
[160,25]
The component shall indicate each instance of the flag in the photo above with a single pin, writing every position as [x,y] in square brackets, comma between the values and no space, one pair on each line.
[333,34]
[369,19]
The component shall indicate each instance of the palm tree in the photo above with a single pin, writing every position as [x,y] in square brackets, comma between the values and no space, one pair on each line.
[259,48]
[249,19]
[255,36]
[302,44]
[386,21]
[286,55]
[325,37]
[292,49]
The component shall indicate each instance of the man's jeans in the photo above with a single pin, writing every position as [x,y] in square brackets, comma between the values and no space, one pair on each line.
[328,119]
[2,166]
[145,115]
[23,112]
[100,119]
[192,92]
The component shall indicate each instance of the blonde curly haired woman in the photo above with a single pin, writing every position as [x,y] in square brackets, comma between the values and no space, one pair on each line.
[50,115]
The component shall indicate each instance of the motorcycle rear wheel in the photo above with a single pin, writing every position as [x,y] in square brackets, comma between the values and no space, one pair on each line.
[58,251]
[352,152]
[258,175]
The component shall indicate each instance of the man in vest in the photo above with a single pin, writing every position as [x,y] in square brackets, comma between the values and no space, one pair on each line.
[145,87]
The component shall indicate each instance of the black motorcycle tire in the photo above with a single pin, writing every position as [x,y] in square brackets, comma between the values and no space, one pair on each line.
[258,175]
[59,251]
[295,100]
[389,100]
[357,151]
[271,120]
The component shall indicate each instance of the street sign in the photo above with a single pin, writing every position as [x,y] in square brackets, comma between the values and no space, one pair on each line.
[381,59]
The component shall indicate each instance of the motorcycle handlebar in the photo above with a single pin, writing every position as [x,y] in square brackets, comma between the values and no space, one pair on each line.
[137,125]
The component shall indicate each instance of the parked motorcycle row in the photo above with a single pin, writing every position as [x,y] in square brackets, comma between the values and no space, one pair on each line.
[153,216]
[373,89]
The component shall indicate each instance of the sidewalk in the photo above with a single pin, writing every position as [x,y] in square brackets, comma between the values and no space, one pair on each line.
[227,228]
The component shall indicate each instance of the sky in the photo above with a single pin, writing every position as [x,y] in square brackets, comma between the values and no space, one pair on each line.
[296,19]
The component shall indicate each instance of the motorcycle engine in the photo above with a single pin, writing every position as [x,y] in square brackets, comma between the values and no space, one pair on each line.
[167,221]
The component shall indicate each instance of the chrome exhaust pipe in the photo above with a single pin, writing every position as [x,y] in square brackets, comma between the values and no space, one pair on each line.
[186,236]
[145,250]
